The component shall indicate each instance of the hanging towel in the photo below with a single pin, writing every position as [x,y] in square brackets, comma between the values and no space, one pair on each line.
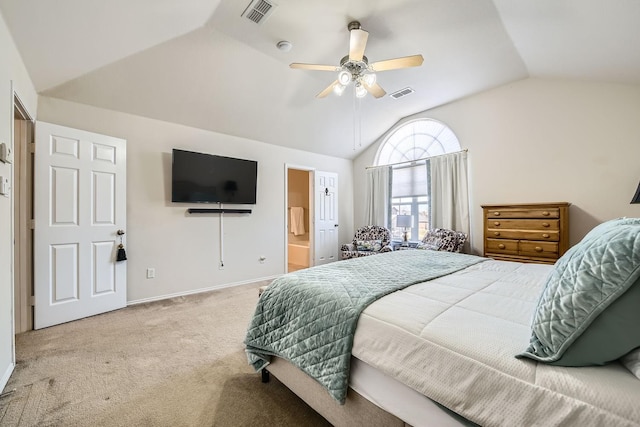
[297,221]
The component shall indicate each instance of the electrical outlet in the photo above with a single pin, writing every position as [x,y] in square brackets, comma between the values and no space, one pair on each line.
[151,273]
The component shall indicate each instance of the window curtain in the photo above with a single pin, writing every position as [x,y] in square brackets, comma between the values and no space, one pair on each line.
[378,196]
[449,191]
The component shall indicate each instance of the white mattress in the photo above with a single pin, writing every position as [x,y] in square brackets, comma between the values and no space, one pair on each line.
[454,339]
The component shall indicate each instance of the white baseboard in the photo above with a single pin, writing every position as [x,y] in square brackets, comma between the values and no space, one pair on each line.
[5,377]
[199,291]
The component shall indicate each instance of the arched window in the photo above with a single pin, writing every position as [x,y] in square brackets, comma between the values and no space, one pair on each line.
[406,148]
[416,140]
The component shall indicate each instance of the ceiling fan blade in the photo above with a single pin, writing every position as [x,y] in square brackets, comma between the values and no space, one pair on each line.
[327,90]
[394,64]
[357,43]
[315,67]
[375,90]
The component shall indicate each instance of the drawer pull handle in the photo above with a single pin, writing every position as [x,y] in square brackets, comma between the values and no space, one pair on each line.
[545,235]
[496,213]
[497,224]
[496,233]
[545,224]
[545,213]
[501,246]
[538,249]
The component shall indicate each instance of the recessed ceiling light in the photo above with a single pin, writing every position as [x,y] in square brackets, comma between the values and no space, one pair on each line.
[284,46]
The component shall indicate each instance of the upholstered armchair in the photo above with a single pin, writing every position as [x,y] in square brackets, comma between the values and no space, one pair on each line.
[442,239]
[368,240]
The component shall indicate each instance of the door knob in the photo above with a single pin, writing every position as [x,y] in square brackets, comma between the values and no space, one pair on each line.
[120,232]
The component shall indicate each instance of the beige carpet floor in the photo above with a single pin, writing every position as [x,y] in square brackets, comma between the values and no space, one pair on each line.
[177,362]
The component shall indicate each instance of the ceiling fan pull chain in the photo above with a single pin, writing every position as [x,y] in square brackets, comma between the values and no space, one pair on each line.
[355,118]
[359,122]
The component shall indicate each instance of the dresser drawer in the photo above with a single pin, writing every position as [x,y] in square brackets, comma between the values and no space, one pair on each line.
[523,224]
[502,246]
[524,213]
[545,236]
[526,232]
[538,249]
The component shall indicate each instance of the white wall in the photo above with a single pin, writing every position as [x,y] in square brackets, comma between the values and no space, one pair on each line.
[543,140]
[12,72]
[184,249]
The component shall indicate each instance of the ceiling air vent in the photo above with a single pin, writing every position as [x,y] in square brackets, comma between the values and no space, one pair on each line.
[258,11]
[402,92]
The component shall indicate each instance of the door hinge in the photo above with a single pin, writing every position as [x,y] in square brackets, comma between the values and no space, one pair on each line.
[32,300]
[32,147]
[32,224]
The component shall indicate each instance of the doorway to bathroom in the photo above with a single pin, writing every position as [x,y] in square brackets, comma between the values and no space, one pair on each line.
[299,218]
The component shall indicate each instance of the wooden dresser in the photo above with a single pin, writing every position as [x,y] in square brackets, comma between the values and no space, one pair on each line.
[533,232]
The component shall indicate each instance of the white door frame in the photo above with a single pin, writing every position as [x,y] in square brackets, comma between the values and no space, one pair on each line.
[311,171]
[22,194]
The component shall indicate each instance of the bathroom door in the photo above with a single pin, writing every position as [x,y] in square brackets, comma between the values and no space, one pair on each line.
[326,217]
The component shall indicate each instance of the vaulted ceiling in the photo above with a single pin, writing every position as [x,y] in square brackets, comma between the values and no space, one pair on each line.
[202,64]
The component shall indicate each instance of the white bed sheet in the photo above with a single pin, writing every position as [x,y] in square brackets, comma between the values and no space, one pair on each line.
[453,340]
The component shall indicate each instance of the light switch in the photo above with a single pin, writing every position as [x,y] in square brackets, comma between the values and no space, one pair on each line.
[6,155]
[5,188]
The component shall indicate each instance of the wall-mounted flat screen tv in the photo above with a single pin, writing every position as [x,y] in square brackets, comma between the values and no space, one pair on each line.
[206,178]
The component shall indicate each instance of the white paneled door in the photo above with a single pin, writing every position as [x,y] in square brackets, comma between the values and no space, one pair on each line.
[79,206]
[326,217]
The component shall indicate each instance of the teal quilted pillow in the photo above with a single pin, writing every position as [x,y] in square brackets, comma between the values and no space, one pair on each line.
[588,311]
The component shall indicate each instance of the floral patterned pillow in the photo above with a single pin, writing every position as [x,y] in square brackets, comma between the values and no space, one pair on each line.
[430,246]
[369,245]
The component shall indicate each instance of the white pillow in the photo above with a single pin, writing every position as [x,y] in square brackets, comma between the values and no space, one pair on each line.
[632,362]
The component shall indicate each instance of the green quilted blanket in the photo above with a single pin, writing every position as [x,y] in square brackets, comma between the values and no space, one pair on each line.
[309,317]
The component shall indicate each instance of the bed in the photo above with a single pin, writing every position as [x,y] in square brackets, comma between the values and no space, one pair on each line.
[442,351]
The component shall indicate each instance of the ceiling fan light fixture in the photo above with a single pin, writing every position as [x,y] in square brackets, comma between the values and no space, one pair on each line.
[339,89]
[344,77]
[369,79]
[355,67]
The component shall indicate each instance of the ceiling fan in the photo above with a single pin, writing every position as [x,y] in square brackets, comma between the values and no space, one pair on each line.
[356,68]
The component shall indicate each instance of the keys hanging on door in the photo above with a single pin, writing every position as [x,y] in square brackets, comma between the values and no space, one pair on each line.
[122,255]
